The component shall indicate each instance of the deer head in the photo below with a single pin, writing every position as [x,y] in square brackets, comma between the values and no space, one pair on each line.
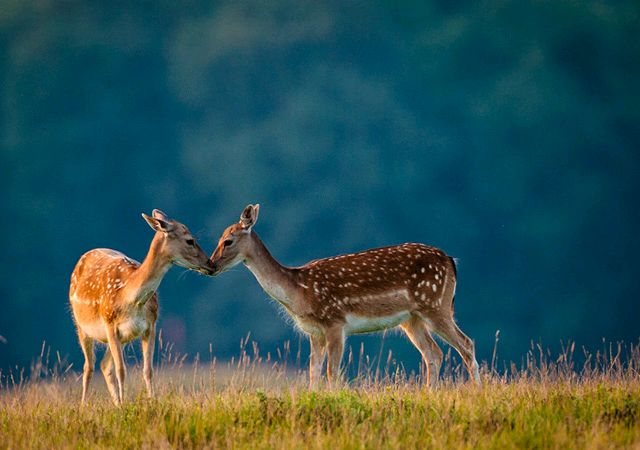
[235,243]
[177,244]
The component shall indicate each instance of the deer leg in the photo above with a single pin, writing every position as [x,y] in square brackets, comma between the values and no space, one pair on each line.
[115,346]
[316,358]
[89,361]
[450,332]
[148,344]
[335,348]
[418,333]
[106,365]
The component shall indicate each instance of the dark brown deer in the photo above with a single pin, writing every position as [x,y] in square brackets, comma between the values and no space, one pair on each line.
[410,285]
[114,299]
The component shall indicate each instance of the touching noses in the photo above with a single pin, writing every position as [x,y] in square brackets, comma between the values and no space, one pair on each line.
[211,269]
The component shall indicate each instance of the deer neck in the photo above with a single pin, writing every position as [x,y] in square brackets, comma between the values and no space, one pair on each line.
[144,281]
[276,279]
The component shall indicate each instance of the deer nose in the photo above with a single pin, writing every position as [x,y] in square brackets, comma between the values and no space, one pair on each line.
[212,267]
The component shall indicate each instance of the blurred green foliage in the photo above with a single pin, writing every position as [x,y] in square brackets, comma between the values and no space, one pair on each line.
[505,133]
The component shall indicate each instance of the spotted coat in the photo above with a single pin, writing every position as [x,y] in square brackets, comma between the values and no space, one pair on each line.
[98,289]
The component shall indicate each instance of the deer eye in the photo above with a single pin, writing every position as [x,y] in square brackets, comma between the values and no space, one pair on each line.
[191,242]
[228,242]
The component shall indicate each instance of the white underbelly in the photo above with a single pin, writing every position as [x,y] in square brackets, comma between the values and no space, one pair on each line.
[362,324]
[132,328]
[307,327]
[127,330]
[95,330]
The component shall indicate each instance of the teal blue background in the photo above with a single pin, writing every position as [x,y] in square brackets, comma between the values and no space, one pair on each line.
[505,133]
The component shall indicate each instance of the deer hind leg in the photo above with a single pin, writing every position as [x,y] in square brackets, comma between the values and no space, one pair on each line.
[418,333]
[115,346]
[316,358]
[148,344]
[106,365]
[335,348]
[449,331]
[89,361]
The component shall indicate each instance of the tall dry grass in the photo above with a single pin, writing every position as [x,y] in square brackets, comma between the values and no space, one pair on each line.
[262,401]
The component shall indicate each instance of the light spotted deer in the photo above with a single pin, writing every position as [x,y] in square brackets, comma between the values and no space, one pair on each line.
[410,285]
[114,299]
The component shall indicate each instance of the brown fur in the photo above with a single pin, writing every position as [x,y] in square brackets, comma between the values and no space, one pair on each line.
[94,273]
[113,299]
[360,292]
[356,283]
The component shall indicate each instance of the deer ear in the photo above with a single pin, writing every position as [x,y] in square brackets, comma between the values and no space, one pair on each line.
[157,214]
[249,216]
[158,224]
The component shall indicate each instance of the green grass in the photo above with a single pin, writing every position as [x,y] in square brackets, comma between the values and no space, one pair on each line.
[255,403]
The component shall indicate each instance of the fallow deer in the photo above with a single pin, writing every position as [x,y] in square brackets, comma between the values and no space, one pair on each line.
[114,299]
[410,285]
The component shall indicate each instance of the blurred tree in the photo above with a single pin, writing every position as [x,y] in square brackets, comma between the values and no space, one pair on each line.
[505,133]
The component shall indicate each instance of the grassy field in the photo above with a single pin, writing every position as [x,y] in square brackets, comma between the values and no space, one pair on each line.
[255,403]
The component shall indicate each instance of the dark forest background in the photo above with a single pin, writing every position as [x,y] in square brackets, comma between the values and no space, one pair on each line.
[505,133]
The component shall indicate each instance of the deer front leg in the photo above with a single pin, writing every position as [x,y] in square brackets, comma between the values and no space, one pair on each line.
[115,347]
[316,358]
[148,344]
[106,365]
[335,348]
